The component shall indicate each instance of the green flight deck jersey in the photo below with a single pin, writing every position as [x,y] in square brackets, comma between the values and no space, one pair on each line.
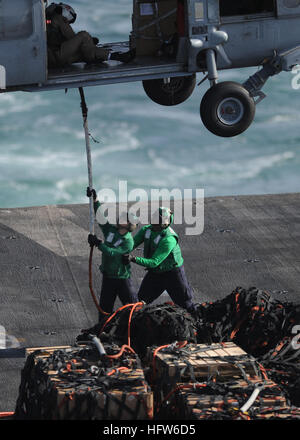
[161,249]
[114,246]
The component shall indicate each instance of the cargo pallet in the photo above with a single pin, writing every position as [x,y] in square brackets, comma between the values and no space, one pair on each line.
[188,381]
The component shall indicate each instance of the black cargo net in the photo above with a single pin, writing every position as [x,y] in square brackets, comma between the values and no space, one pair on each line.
[223,401]
[251,318]
[184,366]
[260,325]
[282,365]
[75,384]
[151,325]
[264,328]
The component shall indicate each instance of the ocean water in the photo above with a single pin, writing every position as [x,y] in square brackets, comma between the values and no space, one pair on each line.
[42,146]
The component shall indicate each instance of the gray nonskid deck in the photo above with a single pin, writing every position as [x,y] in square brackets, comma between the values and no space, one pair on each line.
[44,293]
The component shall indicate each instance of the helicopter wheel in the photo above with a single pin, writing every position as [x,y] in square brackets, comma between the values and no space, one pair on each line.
[227,109]
[175,91]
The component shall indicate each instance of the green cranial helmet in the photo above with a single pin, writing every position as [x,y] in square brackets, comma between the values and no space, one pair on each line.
[163,217]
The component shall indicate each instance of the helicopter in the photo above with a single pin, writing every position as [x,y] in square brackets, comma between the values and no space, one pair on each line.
[174,40]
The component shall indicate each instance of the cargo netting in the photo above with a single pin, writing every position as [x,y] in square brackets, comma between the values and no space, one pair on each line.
[235,358]
[77,384]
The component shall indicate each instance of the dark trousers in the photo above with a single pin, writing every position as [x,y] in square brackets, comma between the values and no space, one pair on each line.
[80,48]
[174,282]
[113,287]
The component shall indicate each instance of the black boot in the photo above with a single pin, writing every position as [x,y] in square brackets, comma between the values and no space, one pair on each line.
[124,57]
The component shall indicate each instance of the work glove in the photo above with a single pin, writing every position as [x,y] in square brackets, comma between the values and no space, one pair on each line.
[127,259]
[91,192]
[93,240]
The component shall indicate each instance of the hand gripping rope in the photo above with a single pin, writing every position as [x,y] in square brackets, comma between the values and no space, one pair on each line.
[92,216]
[135,306]
[90,178]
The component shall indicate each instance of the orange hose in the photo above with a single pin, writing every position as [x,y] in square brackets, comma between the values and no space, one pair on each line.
[6,413]
[180,344]
[180,387]
[134,306]
[154,356]
[118,310]
[123,348]
[117,369]
[262,369]
[128,347]
[237,328]
[114,314]
[129,320]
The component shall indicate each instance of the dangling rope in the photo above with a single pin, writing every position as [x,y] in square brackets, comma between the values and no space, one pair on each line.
[84,110]
[90,178]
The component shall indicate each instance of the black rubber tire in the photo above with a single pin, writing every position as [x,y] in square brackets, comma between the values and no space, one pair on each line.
[178,90]
[211,101]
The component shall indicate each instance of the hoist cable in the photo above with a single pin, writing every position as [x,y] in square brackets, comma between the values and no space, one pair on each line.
[84,110]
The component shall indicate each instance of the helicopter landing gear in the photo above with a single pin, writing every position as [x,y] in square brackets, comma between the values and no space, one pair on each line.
[170,91]
[227,109]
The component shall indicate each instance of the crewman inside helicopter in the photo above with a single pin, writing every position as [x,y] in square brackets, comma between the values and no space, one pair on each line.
[66,47]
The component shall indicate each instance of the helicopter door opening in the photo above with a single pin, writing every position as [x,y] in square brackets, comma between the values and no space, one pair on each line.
[247,7]
[20,46]
[167,32]
[155,26]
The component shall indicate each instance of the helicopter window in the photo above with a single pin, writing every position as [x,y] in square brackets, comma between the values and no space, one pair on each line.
[291,3]
[15,22]
[199,11]
[245,7]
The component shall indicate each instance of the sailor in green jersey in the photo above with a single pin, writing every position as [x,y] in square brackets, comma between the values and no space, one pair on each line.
[164,262]
[116,280]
